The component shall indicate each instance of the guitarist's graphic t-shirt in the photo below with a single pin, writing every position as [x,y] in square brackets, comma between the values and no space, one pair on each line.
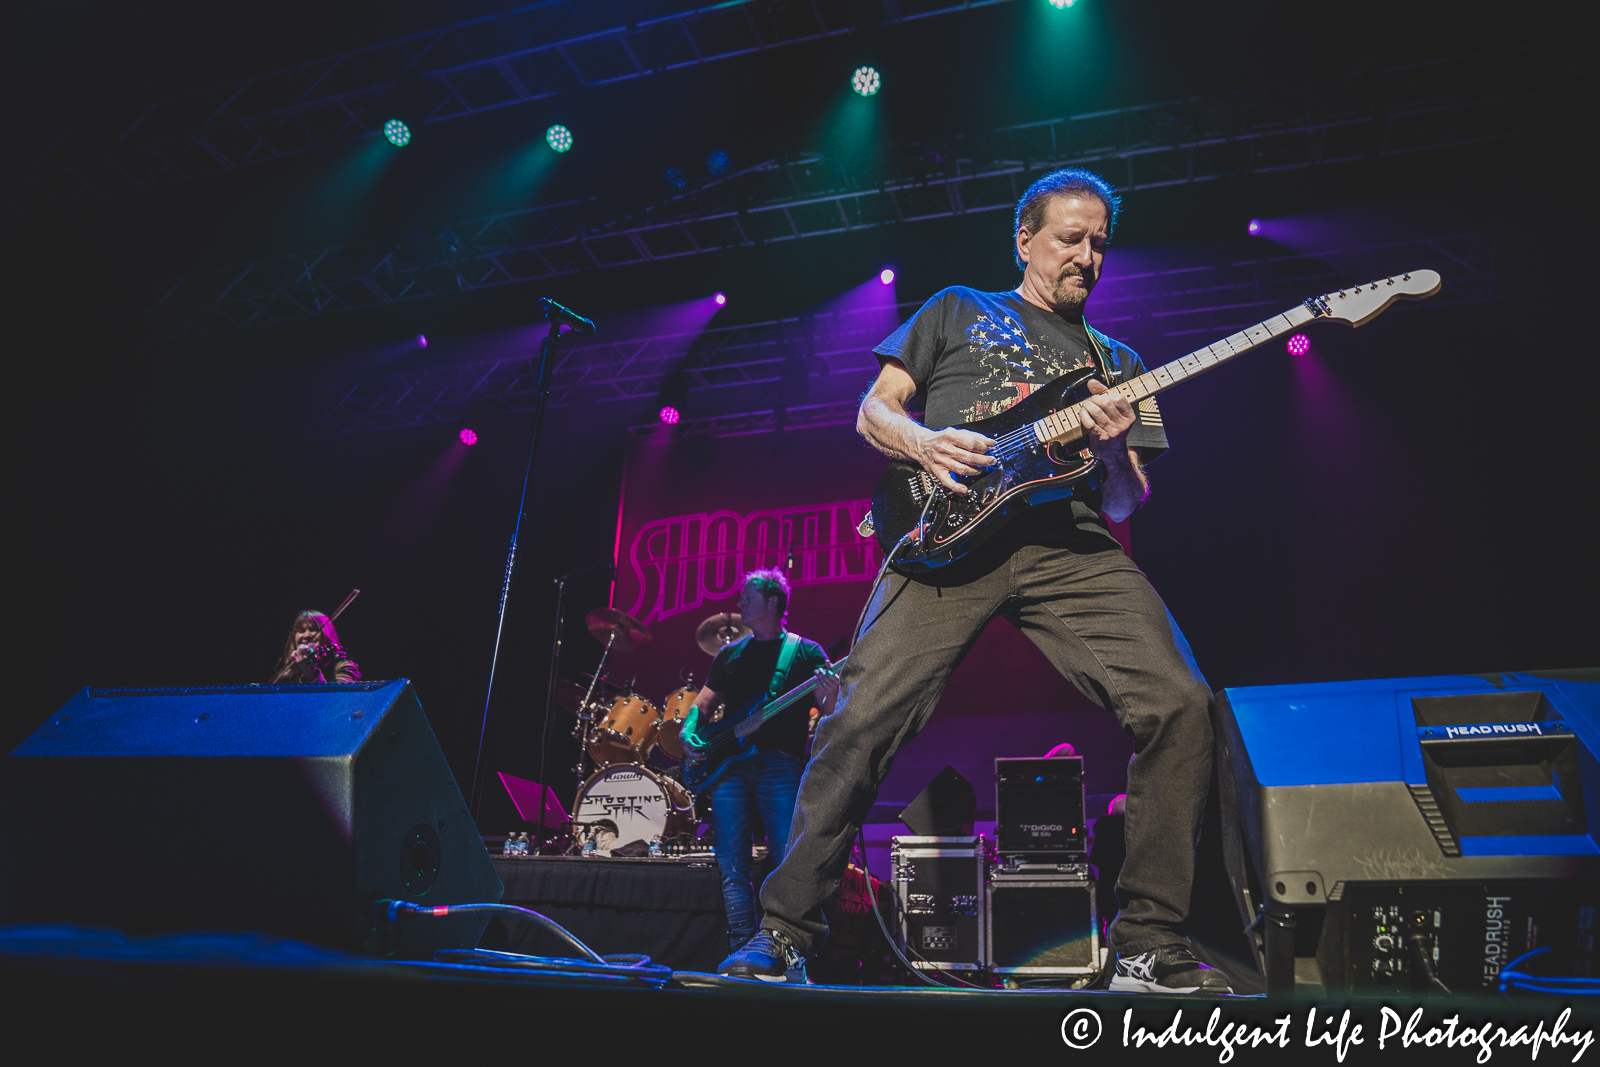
[744,669]
[973,354]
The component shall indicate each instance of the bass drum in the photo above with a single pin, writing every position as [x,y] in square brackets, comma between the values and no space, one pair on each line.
[623,804]
[675,710]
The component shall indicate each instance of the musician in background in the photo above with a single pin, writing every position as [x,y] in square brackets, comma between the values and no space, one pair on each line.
[312,653]
[756,791]
[1055,571]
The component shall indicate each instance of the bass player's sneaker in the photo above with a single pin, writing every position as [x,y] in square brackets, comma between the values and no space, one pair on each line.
[768,957]
[1169,969]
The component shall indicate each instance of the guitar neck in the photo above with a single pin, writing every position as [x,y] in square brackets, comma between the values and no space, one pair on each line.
[1066,425]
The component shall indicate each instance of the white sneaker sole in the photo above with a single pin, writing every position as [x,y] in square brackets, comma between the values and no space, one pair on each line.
[1128,984]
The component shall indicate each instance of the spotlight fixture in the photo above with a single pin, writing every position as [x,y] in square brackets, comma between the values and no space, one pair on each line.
[558,138]
[886,276]
[674,398]
[865,81]
[468,438]
[398,133]
[1059,4]
[1253,228]
[721,299]
[1298,345]
[422,340]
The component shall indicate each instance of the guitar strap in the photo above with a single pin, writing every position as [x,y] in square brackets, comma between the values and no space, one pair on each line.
[1102,352]
[791,644]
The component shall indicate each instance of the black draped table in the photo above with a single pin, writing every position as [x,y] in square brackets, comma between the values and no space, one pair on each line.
[667,909]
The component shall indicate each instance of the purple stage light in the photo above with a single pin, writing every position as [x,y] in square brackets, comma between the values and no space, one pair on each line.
[1298,345]
[721,299]
[1254,227]
[886,276]
[669,415]
[422,340]
[468,438]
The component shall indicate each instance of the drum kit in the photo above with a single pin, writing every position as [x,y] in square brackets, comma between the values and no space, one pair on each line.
[634,794]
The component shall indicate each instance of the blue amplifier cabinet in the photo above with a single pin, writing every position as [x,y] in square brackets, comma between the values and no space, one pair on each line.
[1409,782]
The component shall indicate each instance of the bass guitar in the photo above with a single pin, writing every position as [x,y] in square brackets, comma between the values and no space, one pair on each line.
[723,743]
[1039,441]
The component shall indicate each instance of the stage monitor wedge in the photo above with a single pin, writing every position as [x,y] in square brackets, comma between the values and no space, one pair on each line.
[287,809]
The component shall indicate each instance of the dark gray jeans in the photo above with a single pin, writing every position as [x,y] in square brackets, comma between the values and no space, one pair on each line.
[1100,623]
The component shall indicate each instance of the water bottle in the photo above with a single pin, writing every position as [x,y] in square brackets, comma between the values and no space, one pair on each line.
[509,846]
[589,847]
[655,848]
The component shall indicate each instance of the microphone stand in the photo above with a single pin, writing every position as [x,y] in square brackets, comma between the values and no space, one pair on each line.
[546,367]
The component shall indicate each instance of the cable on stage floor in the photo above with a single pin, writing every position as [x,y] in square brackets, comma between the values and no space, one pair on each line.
[1512,980]
[395,910]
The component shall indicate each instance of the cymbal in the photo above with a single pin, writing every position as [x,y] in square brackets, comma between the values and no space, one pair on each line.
[720,630]
[631,634]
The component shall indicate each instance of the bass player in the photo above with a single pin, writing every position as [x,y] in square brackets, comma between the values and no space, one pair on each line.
[757,787]
[1055,571]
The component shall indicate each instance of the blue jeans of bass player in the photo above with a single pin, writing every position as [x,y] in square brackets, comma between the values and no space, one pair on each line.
[1098,621]
[755,792]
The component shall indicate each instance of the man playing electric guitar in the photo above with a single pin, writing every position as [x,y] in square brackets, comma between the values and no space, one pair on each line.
[1054,571]
[758,783]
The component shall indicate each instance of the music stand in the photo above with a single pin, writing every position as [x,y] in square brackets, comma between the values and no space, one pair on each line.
[535,803]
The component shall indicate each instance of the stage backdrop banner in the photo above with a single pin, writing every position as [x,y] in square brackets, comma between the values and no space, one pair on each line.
[697,514]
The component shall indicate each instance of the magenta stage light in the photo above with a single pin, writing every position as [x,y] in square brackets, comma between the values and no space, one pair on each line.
[468,438]
[1298,345]
[1254,227]
[669,414]
[422,340]
[721,299]
[886,276]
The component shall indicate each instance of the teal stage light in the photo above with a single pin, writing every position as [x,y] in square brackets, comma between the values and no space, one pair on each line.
[865,81]
[1061,3]
[559,138]
[398,133]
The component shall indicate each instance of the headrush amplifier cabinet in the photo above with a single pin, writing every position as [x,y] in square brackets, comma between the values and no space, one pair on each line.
[1392,830]
[287,809]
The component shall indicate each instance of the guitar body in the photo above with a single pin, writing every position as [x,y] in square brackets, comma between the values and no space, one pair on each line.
[722,746]
[956,524]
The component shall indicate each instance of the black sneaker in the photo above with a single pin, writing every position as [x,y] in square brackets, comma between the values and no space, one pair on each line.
[768,957]
[1168,969]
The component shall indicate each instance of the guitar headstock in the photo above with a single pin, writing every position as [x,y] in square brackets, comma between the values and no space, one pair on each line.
[1361,303]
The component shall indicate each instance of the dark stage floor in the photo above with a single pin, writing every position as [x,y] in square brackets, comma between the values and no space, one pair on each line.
[244,997]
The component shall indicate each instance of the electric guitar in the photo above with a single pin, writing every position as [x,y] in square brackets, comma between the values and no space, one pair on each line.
[1039,441]
[726,741]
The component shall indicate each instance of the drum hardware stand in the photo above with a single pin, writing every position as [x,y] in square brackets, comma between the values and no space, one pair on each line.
[556,316]
[555,676]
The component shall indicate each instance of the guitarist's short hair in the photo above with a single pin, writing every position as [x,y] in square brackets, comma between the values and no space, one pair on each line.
[1070,181]
[770,582]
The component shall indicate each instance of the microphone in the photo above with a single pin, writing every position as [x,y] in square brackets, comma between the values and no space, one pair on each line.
[554,312]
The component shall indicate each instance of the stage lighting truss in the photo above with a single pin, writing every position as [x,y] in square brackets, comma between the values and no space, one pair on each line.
[558,138]
[865,81]
[806,195]
[397,133]
[534,52]
[741,369]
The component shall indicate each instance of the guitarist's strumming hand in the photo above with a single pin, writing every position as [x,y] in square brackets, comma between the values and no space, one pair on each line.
[1107,417]
[692,748]
[883,421]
